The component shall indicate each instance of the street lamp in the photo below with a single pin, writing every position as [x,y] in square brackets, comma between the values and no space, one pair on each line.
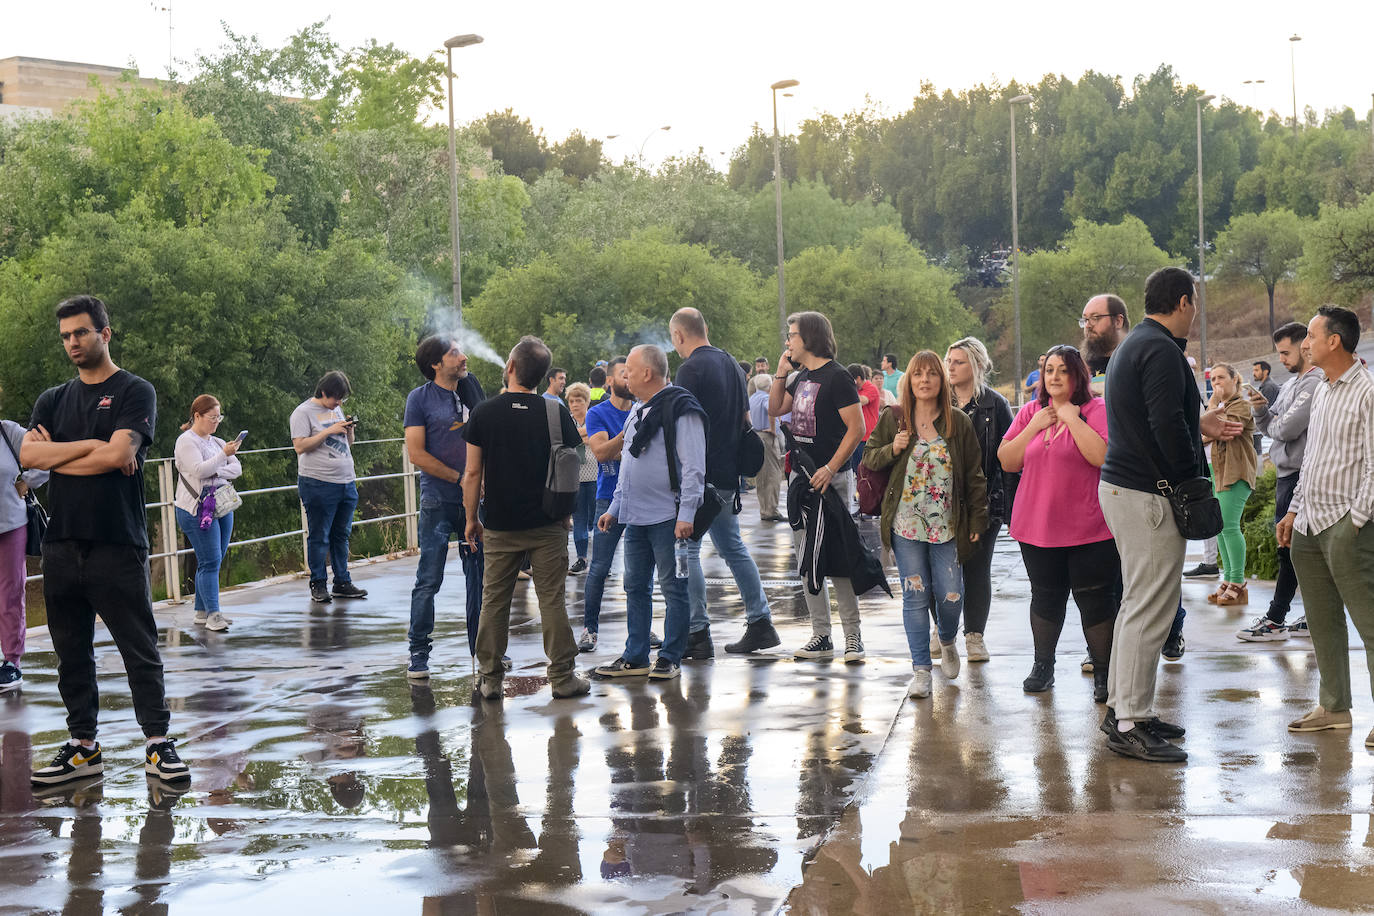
[777,201]
[1016,247]
[457,41]
[1254,92]
[1201,242]
[650,137]
[1293,71]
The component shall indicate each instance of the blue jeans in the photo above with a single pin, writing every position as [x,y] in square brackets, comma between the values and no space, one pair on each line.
[604,544]
[438,520]
[650,547]
[329,518]
[211,545]
[724,534]
[925,568]
[584,516]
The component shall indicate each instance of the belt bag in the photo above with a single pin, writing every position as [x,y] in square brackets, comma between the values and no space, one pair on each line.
[1197,512]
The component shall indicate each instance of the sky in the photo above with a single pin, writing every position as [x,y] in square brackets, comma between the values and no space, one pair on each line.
[704,68]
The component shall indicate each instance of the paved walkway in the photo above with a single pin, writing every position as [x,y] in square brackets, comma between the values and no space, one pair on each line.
[323,780]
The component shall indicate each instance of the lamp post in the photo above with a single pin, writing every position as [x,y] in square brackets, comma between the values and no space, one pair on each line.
[1254,92]
[1293,72]
[777,201]
[1201,240]
[457,41]
[1016,248]
[650,137]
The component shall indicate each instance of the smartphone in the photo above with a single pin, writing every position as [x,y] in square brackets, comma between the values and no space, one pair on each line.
[243,434]
[1250,388]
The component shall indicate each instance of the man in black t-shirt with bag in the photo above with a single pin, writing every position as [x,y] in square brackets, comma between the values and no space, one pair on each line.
[93,434]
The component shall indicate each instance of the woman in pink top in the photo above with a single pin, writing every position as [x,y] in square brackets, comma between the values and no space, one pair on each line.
[1058,442]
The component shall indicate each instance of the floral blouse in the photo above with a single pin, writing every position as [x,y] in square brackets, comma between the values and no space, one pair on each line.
[923,512]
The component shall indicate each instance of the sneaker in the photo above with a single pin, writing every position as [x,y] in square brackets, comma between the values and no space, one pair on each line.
[319,593]
[1086,666]
[587,641]
[664,670]
[10,677]
[1299,628]
[920,684]
[1143,743]
[1100,685]
[1040,679]
[655,641]
[161,760]
[818,647]
[488,687]
[1173,648]
[621,668]
[758,635]
[853,649]
[201,618]
[935,645]
[975,650]
[574,686]
[699,645]
[217,622]
[1262,629]
[348,590]
[419,666]
[1202,571]
[506,663]
[578,566]
[1166,730]
[949,660]
[1319,720]
[72,762]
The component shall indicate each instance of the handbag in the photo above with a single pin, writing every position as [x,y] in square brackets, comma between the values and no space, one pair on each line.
[1197,511]
[35,516]
[224,497]
[871,485]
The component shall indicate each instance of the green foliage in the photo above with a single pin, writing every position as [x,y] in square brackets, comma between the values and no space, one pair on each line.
[521,150]
[1338,257]
[811,217]
[1257,524]
[751,165]
[881,295]
[1265,246]
[381,86]
[1092,259]
[578,157]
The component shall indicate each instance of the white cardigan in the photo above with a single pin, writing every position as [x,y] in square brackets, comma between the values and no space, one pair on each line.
[202,462]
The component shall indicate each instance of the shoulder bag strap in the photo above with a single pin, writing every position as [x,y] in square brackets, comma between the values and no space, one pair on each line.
[19,464]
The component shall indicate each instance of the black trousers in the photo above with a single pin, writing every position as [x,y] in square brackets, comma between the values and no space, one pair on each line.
[85,578]
[978,581]
[1092,573]
[1286,585]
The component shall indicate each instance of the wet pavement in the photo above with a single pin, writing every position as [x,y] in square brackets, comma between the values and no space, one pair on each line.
[752,785]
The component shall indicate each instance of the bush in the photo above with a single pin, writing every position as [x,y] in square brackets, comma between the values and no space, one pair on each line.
[1257,524]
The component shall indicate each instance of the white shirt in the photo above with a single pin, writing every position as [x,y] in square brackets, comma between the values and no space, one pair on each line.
[1338,466]
[202,462]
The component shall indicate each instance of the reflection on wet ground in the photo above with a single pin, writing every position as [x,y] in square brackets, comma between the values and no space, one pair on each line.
[750,785]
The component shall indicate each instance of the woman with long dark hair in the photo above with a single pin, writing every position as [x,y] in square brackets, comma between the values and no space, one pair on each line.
[934,509]
[1058,442]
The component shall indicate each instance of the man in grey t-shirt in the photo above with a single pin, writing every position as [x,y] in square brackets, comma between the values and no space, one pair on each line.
[322,437]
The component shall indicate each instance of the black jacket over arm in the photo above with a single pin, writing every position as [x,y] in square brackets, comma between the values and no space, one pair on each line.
[1153,411]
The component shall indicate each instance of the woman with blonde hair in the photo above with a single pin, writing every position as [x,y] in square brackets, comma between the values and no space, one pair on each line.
[579,398]
[934,510]
[1234,465]
[204,461]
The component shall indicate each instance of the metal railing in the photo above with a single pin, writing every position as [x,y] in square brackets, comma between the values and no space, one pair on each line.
[171,535]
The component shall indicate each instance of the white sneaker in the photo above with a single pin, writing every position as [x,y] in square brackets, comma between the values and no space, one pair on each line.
[934,644]
[217,622]
[974,648]
[920,684]
[949,660]
[201,617]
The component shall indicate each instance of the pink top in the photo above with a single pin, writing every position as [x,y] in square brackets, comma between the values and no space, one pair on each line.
[1056,502]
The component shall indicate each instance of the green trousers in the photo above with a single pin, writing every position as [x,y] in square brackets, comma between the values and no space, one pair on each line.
[1231,542]
[1336,573]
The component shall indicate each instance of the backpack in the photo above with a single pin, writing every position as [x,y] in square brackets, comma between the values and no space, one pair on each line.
[563,478]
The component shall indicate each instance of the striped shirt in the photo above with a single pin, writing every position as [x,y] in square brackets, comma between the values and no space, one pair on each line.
[1338,466]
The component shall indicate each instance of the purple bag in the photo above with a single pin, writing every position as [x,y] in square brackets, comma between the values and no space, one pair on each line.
[207,508]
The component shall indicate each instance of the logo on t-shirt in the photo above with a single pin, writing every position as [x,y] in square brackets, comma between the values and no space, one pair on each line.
[804,409]
[105,403]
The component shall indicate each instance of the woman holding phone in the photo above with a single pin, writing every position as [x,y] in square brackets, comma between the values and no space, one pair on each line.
[1234,465]
[203,462]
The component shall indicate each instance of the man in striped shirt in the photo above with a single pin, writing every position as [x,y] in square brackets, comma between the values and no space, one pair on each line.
[1327,525]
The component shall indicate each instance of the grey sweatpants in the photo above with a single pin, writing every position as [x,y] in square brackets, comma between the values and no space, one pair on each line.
[818,606]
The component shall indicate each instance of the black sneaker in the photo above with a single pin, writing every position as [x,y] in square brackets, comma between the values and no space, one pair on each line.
[1202,571]
[853,649]
[621,668]
[664,670]
[1144,743]
[1166,730]
[817,647]
[419,666]
[757,635]
[655,641]
[699,645]
[1173,648]
[349,590]
[163,794]
[579,566]
[162,761]
[71,762]
[1040,679]
[10,677]
[318,592]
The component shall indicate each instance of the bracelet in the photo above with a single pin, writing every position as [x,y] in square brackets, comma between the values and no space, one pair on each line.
[779,378]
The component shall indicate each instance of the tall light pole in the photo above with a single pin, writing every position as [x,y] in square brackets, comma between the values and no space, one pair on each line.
[457,41]
[665,127]
[1254,92]
[1016,248]
[777,201]
[1293,72]
[1201,239]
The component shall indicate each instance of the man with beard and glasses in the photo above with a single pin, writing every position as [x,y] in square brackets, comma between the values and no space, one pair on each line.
[1105,322]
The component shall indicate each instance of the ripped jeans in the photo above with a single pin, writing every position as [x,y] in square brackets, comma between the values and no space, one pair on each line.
[925,568]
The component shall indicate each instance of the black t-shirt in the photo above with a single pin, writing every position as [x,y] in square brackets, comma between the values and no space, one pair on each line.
[818,396]
[512,430]
[106,507]
[715,380]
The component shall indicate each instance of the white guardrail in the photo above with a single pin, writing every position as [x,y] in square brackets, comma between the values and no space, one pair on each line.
[171,531]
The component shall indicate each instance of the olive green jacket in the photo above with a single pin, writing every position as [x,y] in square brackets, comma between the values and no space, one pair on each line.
[968,498]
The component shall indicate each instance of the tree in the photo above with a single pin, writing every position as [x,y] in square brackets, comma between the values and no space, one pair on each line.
[381,86]
[578,157]
[1338,254]
[515,143]
[881,294]
[751,164]
[811,216]
[1265,246]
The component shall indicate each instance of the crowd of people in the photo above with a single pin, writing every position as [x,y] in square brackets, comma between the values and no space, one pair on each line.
[1088,477]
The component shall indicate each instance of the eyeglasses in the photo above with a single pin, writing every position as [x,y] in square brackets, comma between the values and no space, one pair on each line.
[791,334]
[1091,319]
[219,419]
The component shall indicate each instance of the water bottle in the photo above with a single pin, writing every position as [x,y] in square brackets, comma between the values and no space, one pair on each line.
[680,555]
